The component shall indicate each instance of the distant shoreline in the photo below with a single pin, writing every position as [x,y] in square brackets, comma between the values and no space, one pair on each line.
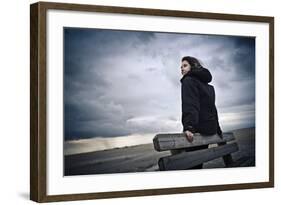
[86,138]
[72,147]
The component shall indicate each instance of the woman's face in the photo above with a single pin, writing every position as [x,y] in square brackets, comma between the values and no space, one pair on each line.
[185,67]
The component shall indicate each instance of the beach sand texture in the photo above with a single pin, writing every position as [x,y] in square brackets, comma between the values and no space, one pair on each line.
[143,158]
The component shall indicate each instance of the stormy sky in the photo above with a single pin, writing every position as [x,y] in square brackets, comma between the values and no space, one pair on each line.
[120,83]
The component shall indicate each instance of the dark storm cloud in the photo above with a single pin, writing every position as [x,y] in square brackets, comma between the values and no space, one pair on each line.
[125,82]
[245,53]
[234,68]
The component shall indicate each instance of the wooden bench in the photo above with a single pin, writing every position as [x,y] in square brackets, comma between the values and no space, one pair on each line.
[183,156]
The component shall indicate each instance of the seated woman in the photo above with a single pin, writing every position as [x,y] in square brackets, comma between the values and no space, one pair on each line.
[199,112]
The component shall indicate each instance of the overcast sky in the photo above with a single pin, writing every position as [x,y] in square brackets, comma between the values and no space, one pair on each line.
[119,83]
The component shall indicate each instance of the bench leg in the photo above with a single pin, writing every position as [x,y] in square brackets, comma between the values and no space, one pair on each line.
[226,158]
[176,151]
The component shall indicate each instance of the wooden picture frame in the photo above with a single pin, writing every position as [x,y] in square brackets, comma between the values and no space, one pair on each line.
[39,100]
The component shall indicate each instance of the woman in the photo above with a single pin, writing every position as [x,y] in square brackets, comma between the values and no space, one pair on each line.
[199,113]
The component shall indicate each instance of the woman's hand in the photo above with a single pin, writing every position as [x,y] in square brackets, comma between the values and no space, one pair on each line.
[189,135]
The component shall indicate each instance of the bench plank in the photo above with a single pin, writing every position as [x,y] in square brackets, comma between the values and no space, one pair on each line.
[163,142]
[186,160]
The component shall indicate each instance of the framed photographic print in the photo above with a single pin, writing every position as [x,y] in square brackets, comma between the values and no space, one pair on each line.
[135,102]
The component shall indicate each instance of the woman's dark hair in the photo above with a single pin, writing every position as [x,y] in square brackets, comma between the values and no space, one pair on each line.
[194,62]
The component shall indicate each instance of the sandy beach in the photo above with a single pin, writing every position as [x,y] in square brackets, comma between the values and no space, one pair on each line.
[142,158]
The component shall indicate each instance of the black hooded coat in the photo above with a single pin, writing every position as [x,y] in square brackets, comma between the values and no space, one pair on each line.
[199,112]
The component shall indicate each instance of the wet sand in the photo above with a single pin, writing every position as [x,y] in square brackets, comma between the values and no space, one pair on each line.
[142,158]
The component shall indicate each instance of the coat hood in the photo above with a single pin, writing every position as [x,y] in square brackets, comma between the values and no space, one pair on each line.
[202,74]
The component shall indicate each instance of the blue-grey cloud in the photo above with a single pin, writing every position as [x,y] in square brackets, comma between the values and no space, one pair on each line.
[127,82]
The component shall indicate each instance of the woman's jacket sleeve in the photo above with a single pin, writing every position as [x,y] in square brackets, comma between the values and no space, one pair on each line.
[190,104]
[219,131]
